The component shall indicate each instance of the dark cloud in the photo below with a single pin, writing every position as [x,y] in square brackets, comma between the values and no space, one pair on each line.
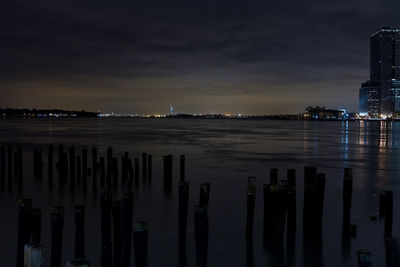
[220,56]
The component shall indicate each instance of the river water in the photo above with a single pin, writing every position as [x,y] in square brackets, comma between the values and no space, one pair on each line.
[224,153]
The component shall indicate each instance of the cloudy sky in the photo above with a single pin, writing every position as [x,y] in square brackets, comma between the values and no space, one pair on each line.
[259,57]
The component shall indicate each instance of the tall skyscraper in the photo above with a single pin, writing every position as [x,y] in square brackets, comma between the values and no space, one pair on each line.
[381,94]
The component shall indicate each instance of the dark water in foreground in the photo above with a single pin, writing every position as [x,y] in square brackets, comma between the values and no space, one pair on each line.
[224,153]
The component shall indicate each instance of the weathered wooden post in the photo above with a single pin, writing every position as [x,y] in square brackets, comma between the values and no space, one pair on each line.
[182,168]
[115,172]
[34,252]
[117,233]
[201,235]
[24,228]
[9,161]
[347,197]
[182,212]
[124,167]
[204,194]
[106,243]
[2,163]
[50,162]
[37,163]
[144,165]
[364,258]
[130,172]
[267,213]
[77,263]
[127,219]
[291,217]
[251,201]
[392,248]
[109,153]
[273,177]
[94,162]
[167,172]
[20,167]
[150,168]
[63,167]
[79,232]
[140,242]
[102,171]
[57,227]
[84,164]
[388,213]
[136,171]
[79,169]
[72,169]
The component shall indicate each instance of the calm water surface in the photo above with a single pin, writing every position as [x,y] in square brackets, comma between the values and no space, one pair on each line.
[224,153]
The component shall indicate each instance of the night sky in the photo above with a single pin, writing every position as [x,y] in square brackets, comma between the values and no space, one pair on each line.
[259,57]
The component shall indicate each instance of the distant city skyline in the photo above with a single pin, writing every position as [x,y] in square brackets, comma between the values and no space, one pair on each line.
[201,57]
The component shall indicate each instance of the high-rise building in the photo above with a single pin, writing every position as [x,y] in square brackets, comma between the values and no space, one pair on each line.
[383,88]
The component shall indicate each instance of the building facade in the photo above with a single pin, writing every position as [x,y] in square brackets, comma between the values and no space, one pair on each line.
[383,87]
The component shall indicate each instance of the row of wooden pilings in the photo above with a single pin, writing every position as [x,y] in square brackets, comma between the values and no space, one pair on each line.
[117,224]
[117,216]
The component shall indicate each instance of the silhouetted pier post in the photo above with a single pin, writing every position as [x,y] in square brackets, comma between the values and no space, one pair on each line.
[117,233]
[16,172]
[291,217]
[150,168]
[392,248]
[94,162]
[137,171]
[273,177]
[102,171]
[19,161]
[127,222]
[124,167]
[183,211]
[251,201]
[364,258]
[9,162]
[167,172]
[201,235]
[57,227]
[204,194]
[144,165]
[106,241]
[37,163]
[79,169]
[79,257]
[130,172]
[50,153]
[388,213]
[24,228]
[109,153]
[2,163]
[72,169]
[140,242]
[115,172]
[182,168]
[267,213]
[63,168]
[34,252]
[381,206]
[84,164]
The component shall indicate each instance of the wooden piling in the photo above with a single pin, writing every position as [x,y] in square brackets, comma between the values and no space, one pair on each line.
[144,165]
[182,168]
[251,201]
[38,163]
[392,248]
[136,171]
[106,241]
[140,242]
[79,169]
[57,227]
[77,263]
[36,219]
[84,164]
[182,212]
[117,233]
[201,235]
[50,162]
[127,219]
[9,161]
[19,163]
[204,194]
[2,163]
[24,228]
[364,258]
[102,171]
[150,168]
[130,172]
[167,172]
[72,169]
[291,217]
[94,162]
[79,211]
[347,197]
[34,255]
[273,177]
